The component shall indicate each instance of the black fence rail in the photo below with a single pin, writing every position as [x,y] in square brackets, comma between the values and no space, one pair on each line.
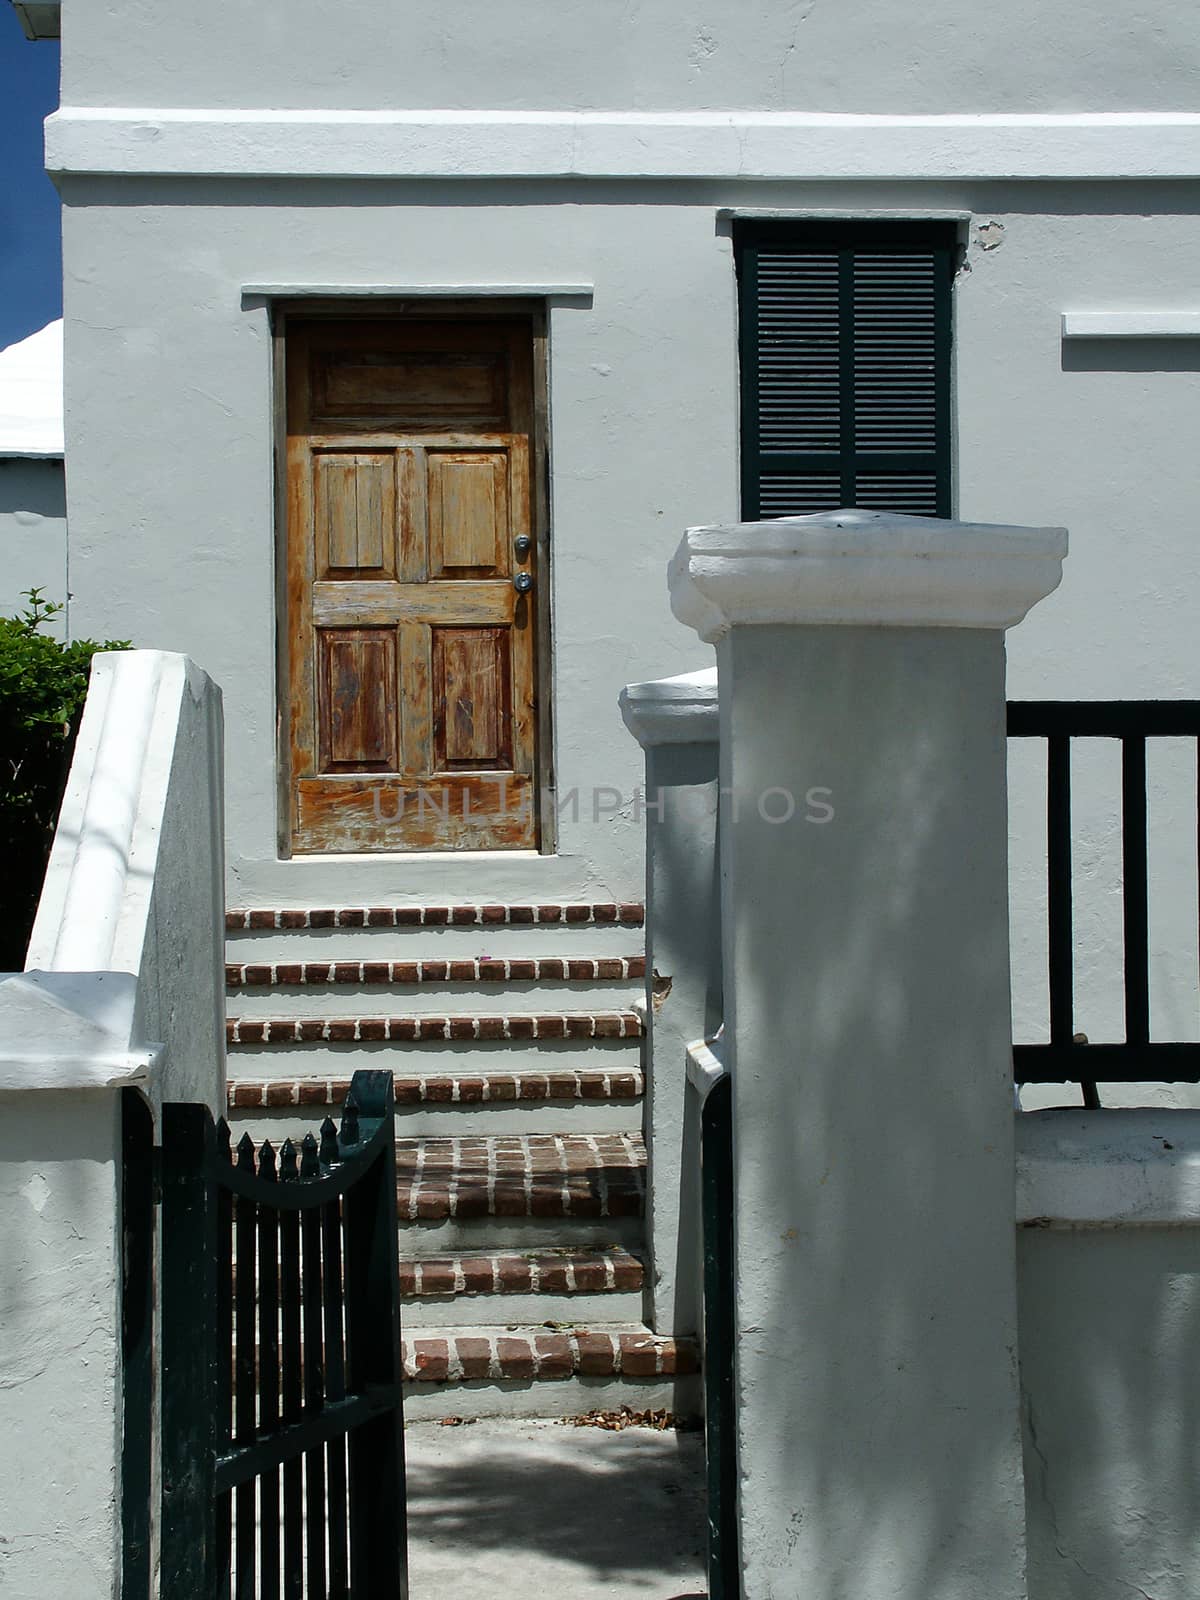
[282,1424]
[1068,1057]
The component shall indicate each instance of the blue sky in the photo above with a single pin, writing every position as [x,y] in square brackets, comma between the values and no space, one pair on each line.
[30,226]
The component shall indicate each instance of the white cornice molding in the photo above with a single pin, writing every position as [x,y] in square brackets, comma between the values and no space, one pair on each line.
[418,291]
[1131,325]
[864,568]
[619,144]
[680,710]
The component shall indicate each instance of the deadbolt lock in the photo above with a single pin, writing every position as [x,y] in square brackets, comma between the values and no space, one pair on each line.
[522,583]
[522,544]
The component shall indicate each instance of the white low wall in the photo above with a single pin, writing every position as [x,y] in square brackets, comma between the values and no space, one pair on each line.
[1108,1252]
[33,535]
[122,991]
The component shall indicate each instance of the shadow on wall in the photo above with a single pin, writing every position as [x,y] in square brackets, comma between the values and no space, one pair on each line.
[1131,355]
[1110,1326]
[892,953]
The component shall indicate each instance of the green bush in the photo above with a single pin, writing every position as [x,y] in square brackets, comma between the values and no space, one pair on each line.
[43,684]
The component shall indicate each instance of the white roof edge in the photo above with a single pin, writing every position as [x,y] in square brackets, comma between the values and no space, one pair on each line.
[31,395]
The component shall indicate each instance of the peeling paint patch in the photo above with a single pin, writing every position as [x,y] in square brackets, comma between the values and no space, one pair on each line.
[660,989]
[37,1193]
[703,49]
[989,235]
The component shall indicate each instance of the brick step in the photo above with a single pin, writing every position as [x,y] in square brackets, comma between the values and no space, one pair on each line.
[451,1356]
[556,1286]
[539,1175]
[401,974]
[530,1371]
[531,985]
[572,1287]
[595,1099]
[476,1088]
[435,1027]
[363,933]
[437,1056]
[260,919]
[521,1272]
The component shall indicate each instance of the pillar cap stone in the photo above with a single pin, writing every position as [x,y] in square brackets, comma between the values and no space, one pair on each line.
[679,710]
[863,568]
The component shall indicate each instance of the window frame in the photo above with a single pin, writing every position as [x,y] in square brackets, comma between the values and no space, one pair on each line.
[845,236]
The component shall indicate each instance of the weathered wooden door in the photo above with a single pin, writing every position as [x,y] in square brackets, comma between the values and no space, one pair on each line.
[410,571]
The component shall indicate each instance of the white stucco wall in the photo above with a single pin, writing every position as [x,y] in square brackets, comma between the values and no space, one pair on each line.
[874,55]
[169,434]
[1108,1254]
[33,534]
[60,1344]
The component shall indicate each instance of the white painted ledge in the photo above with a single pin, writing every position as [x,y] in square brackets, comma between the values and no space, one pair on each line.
[71,1031]
[94,909]
[619,144]
[411,291]
[1108,1168]
[863,568]
[1131,325]
[705,1065]
[679,710]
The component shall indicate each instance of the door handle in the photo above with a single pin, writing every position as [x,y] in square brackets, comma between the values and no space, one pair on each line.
[522,582]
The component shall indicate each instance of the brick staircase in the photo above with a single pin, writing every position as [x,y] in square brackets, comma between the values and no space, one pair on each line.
[516,1048]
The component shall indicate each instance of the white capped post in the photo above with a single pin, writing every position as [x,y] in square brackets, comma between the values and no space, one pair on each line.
[675,722]
[865,954]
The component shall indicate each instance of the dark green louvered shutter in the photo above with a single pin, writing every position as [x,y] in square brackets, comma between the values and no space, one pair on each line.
[845,358]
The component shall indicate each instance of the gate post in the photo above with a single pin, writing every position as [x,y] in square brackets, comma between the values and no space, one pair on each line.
[191,1561]
[865,930]
[675,722]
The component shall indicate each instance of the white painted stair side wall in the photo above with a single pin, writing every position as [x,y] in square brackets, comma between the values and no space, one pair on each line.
[122,991]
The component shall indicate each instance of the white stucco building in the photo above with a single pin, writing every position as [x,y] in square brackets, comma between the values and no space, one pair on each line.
[594,182]
[33,517]
[398,357]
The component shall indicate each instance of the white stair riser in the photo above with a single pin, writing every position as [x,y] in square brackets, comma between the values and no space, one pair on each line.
[551,1397]
[466,1057]
[491,1235]
[457,1121]
[592,1311]
[435,943]
[432,999]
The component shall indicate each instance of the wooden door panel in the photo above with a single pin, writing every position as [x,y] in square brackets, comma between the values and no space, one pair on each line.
[460,811]
[354,497]
[356,699]
[457,388]
[469,524]
[472,699]
[412,655]
[356,602]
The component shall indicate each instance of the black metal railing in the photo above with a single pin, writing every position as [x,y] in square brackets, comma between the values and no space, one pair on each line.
[282,1425]
[1068,1057]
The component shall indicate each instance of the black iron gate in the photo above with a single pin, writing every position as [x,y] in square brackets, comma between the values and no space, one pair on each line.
[282,1422]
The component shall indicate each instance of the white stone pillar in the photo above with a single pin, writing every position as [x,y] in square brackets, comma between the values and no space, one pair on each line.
[675,722]
[861,663]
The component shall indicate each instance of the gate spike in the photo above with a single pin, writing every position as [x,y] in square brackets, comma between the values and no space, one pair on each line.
[288,1171]
[310,1167]
[329,1143]
[245,1153]
[223,1139]
[266,1161]
[350,1121]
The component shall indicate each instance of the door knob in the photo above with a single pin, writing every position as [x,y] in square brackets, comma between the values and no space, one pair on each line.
[522,582]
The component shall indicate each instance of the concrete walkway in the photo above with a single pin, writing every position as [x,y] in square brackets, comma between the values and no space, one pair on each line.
[507,1510]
